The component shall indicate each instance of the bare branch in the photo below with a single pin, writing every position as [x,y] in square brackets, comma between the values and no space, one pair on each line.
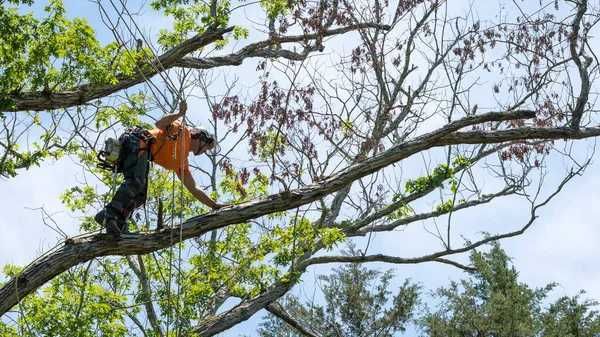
[584,91]
[280,312]
[422,216]
[39,101]
[82,249]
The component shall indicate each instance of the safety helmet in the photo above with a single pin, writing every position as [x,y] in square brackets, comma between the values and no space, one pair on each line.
[205,137]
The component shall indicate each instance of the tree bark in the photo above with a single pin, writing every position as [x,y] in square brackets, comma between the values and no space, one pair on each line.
[176,57]
[79,250]
[39,101]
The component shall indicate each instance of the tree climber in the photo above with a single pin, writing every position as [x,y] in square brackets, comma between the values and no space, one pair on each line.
[167,145]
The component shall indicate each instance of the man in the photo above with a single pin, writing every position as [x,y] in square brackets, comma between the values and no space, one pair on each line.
[168,145]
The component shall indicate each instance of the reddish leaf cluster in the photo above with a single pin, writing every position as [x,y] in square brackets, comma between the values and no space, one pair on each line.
[405,6]
[313,17]
[538,39]
[241,177]
[358,59]
[275,109]
[548,113]
[520,151]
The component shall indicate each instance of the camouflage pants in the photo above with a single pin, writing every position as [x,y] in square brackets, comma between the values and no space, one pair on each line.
[131,193]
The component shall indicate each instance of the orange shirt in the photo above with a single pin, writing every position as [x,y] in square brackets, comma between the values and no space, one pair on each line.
[171,147]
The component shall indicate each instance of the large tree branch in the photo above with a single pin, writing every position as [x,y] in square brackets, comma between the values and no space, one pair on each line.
[584,91]
[38,101]
[276,309]
[517,134]
[265,49]
[242,312]
[79,250]
[176,57]
[387,259]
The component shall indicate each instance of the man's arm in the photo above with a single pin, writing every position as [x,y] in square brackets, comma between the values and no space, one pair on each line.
[188,181]
[167,120]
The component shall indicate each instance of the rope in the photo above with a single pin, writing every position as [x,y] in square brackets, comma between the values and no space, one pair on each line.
[178,146]
[154,53]
[170,85]
[179,288]
[178,154]
[171,251]
[120,40]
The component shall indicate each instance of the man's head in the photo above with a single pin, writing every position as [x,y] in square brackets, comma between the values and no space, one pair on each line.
[202,141]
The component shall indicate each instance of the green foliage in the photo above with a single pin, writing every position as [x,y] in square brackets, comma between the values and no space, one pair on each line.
[55,53]
[271,143]
[274,8]
[190,18]
[21,155]
[571,317]
[460,162]
[347,127]
[11,270]
[439,174]
[435,179]
[248,274]
[76,303]
[79,198]
[492,302]
[234,188]
[127,114]
[240,33]
[331,237]
[447,206]
[6,330]
[358,302]
[292,241]
[401,212]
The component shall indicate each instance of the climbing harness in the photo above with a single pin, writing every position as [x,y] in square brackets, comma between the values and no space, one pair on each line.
[107,156]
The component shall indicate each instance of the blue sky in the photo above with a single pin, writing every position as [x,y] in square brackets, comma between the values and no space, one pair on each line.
[561,247]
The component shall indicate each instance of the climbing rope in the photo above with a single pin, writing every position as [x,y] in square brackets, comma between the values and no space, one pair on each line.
[154,89]
[178,154]
[180,278]
[157,66]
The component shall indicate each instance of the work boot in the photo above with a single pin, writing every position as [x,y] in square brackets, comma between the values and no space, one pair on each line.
[112,223]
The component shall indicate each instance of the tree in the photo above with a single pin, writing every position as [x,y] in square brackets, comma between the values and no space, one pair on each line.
[489,301]
[358,302]
[323,147]
[492,302]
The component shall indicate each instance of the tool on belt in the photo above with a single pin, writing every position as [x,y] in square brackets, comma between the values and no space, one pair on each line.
[110,156]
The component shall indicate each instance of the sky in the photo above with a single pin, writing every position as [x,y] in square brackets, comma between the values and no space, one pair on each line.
[561,247]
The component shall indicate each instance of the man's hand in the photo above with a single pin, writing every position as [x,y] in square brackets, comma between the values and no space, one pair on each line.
[165,121]
[190,185]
